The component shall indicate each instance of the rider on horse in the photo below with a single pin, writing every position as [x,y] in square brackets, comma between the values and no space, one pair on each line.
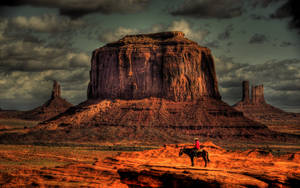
[197,144]
[195,152]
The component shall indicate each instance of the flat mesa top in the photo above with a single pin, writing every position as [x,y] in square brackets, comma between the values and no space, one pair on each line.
[161,35]
[170,37]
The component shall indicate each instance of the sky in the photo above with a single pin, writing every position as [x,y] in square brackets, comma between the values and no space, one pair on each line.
[45,40]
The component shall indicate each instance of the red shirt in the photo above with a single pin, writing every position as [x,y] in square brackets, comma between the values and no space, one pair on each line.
[197,144]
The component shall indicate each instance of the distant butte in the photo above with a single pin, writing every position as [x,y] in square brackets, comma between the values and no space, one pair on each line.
[259,110]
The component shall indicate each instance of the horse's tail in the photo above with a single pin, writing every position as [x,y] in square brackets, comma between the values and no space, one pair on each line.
[206,155]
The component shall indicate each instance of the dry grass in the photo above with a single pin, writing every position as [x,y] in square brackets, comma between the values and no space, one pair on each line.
[18,123]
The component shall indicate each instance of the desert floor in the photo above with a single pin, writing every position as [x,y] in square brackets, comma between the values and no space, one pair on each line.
[129,165]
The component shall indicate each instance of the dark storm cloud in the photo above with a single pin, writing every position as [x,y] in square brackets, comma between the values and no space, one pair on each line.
[264,3]
[280,78]
[47,23]
[22,51]
[30,57]
[285,44]
[258,17]
[258,39]
[212,44]
[290,9]
[227,33]
[28,65]
[220,9]
[196,34]
[79,8]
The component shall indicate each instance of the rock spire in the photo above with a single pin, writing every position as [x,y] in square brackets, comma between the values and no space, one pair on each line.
[56,90]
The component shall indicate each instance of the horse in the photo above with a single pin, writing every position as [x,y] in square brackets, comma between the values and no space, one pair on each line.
[192,152]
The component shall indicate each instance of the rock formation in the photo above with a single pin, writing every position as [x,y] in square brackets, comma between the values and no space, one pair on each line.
[257,94]
[55,90]
[54,106]
[151,88]
[162,65]
[245,97]
[260,111]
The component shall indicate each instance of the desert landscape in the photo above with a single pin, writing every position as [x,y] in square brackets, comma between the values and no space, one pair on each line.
[148,93]
[130,130]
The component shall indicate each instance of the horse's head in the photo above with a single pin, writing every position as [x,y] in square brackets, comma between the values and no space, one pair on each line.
[180,152]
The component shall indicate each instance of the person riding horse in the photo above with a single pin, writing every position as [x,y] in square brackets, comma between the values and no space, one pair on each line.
[197,144]
[195,152]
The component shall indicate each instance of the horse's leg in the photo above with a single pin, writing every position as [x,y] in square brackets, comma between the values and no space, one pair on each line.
[204,158]
[207,157]
[192,160]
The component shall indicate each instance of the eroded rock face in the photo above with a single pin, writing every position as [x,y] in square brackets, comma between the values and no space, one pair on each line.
[163,65]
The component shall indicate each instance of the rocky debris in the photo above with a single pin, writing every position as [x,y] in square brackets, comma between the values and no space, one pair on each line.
[259,110]
[161,65]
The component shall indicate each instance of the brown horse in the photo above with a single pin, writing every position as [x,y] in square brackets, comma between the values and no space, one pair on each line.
[192,152]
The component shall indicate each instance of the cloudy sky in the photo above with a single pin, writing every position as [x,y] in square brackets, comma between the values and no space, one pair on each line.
[45,40]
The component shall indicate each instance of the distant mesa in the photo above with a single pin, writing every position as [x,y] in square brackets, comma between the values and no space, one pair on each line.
[259,110]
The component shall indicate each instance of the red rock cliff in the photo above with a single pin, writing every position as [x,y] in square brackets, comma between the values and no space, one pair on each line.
[163,65]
